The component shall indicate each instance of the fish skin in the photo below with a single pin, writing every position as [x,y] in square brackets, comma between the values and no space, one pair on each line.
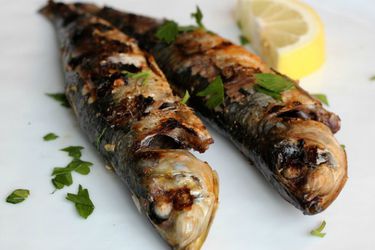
[140,128]
[291,141]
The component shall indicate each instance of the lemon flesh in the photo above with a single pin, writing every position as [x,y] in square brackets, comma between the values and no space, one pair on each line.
[287,34]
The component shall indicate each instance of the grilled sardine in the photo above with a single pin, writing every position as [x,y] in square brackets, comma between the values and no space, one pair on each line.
[126,108]
[289,140]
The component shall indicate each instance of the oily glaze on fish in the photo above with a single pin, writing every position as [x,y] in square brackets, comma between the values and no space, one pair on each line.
[138,126]
[290,141]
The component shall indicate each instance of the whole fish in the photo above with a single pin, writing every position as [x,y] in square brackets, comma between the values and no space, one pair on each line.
[126,108]
[289,139]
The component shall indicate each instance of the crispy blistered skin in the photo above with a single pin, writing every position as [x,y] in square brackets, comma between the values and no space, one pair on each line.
[289,140]
[138,125]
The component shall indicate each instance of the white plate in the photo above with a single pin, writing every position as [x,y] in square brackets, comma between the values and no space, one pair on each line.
[251,214]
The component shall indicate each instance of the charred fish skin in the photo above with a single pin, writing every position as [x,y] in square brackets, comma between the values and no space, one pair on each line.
[137,125]
[290,141]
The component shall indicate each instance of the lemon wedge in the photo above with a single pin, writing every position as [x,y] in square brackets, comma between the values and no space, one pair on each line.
[287,34]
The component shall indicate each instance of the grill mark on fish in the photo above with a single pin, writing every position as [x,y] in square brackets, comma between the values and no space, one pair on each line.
[128,109]
[148,144]
[290,141]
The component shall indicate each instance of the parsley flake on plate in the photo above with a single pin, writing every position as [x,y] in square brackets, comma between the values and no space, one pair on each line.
[63,175]
[61,98]
[17,196]
[61,180]
[82,202]
[73,151]
[50,137]
[318,231]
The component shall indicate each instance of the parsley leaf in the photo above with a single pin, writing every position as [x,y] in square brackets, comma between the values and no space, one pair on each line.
[244,40]
[57,184]
[61,170]
[61,98]
[63,175]
[198,16]
[272,82]
[322,97]
[167,32]
[272,85]
[50,137]
[274,95]
[62,180]
[372,78]
[342,146]
[79,166]
[185,98]
[318,232]
[214,93]
[73,151]
[76,165]
[143,75]
[17,196]
[82,201]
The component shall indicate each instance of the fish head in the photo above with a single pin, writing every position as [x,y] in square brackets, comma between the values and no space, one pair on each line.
[182,197]
[311,165]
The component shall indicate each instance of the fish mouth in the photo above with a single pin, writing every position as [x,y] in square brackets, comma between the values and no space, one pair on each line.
[182,197]
[198,242]
[311,165]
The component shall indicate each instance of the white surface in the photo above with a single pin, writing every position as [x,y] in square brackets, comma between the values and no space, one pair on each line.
[251,214]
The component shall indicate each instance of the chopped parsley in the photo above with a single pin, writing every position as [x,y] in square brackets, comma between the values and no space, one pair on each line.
[62,180]
[73,151]
[50,137]
[274,95]
[185,98]
[272,85]
[342,146]
[63,176]
[143,75]
[214,93]
[372,78]
[81,167]
[168,31]
[322,97]
[82,202]
[318,232]
[244,40]
[61,98]
[77,165]
[198,16]
[17,196]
